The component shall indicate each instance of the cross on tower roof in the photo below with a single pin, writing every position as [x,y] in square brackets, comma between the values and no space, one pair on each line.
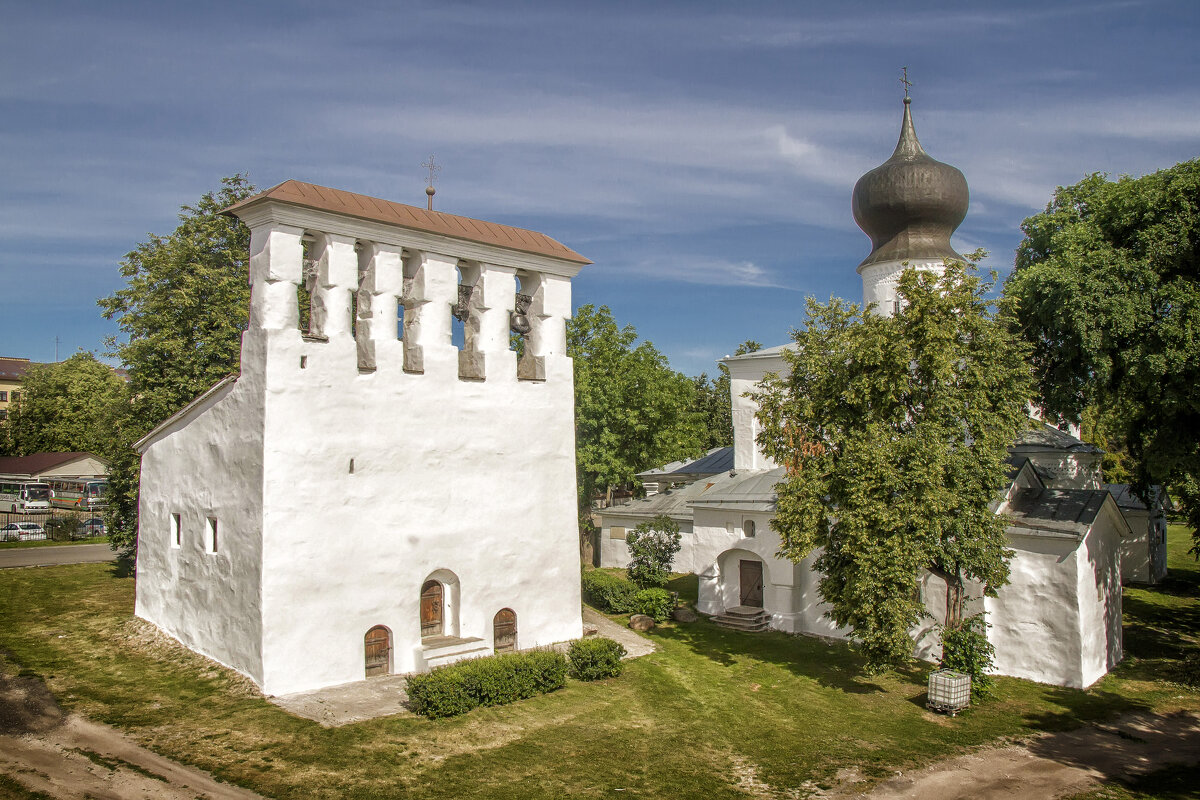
[433,168]
[907,83]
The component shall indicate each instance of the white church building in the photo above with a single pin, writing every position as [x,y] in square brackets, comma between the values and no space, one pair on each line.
[373,493]
[1058,621]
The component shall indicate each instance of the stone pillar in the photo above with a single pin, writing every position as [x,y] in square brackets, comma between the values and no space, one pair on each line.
[381,279]
[276,269]
[497,288]
[433,291]
[337,277]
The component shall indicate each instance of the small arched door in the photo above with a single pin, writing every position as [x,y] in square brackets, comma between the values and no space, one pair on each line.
[431,609]
[504,631]
[378,646]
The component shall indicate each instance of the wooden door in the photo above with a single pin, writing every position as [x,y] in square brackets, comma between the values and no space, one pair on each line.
[504,631]
[431,609]
[378,644]
[751,578]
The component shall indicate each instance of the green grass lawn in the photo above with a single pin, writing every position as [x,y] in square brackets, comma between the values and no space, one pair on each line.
[714,713]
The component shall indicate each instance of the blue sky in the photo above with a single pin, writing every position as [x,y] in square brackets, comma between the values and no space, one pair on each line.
[702,154]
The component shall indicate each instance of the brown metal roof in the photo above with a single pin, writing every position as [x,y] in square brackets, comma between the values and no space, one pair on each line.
[14,368]
[37,463]
[337,201]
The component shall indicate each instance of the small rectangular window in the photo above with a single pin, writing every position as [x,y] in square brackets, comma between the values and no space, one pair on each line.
[176,531]
[212,534]
[617,532]
[15,396]
[3,397]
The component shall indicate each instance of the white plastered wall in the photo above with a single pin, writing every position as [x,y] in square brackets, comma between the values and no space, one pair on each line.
[207,463]
[467,481]
[614,550]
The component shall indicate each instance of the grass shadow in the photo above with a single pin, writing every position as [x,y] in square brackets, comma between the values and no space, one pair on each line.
[830,664]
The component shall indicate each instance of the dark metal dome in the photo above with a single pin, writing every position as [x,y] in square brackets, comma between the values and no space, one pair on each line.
[910,204]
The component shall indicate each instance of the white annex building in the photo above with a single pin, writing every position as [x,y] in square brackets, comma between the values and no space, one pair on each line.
[1059,619]
[373,493]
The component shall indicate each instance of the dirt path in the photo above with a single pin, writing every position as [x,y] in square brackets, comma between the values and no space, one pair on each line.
[68,757]
[1052,765]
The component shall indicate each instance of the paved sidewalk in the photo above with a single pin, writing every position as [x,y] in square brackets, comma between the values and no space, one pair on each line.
[50,556]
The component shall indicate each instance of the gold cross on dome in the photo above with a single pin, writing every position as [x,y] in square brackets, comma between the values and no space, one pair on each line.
[907,83]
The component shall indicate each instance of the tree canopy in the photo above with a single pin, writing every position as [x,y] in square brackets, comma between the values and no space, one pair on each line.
[181,316]
[632,411]
[893,432]
[1107,289]
[67,407]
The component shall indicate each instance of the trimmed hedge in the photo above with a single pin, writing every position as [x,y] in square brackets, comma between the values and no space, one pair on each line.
[593,659]
[491,681]
[609,592]
[654,603]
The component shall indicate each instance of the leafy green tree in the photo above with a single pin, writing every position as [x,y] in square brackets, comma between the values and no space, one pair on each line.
[181,315]
[893,432]
[66,407]
[653,546]
[1107,290]
[632,411]
[714,404]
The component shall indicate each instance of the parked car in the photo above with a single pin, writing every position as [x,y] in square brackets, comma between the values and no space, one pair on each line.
[92,527]
[22,532]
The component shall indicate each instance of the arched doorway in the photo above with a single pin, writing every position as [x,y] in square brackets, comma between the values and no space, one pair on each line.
[378,646]
[432,608]
[504,631]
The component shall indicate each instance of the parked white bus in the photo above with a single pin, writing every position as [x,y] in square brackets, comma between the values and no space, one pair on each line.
[24,496]
[78,494]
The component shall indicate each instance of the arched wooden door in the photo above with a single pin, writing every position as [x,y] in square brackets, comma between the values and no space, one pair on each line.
[431,609]
[504,631]
[378,646]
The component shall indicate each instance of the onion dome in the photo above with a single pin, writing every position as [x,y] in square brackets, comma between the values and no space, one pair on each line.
[910,204]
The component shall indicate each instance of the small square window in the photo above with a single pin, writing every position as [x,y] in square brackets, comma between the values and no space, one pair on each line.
[212,535]
[15,396]
[176,531]
[3,397]
[3,414]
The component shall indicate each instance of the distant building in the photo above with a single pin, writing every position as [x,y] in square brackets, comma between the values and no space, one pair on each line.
[373,494]
[1144,554]
[45,466]
[12,372]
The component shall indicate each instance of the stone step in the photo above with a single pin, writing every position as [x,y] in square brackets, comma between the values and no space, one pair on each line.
[744,618]
[441,650]
[450,658]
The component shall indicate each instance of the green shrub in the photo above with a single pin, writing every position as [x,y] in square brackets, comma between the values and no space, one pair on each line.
[492,681]
[653,546]
[62,528]
[654,603]
[609,592]
[440,693]
[593,659]
[966,649]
